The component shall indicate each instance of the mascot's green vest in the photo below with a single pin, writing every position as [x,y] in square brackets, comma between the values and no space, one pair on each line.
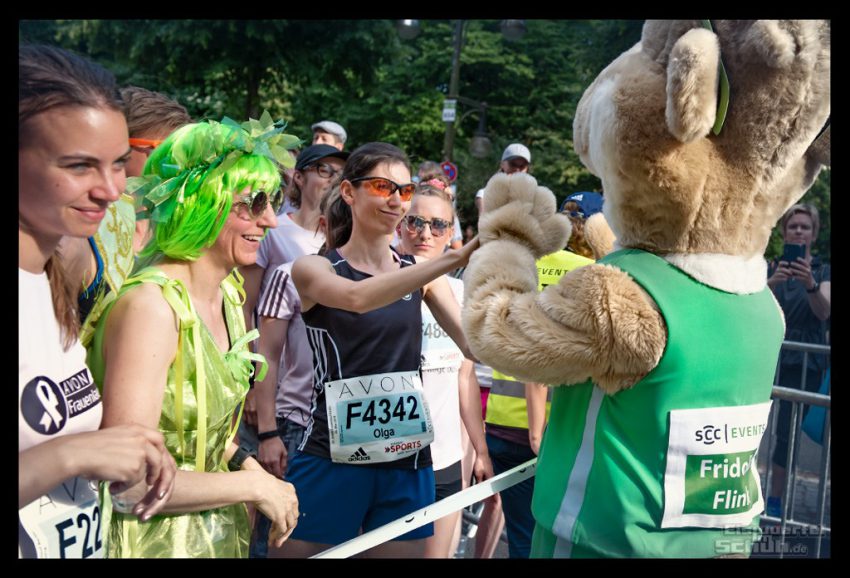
[667,467]
[506,405]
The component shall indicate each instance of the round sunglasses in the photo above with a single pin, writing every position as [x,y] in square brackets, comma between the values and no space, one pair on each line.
[381,187]
[253,205]
[416,224]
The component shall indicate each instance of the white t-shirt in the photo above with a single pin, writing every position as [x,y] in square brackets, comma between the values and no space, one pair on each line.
[56,397]
[441,360]
[285,243]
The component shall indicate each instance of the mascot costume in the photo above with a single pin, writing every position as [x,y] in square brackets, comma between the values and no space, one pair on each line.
[663,352]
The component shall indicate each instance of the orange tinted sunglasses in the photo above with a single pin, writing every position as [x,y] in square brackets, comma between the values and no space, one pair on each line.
[382,187]
[144,143]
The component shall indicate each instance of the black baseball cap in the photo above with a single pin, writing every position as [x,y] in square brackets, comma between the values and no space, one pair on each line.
[313,153]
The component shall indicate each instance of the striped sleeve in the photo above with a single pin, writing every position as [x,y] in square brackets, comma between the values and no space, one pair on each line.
[274,302]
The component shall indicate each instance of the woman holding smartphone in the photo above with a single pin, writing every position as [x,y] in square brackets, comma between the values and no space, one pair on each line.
[802,288]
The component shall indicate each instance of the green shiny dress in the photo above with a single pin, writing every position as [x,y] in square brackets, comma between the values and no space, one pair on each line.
[197,424]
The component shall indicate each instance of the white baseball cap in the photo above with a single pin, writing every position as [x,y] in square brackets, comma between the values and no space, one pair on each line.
[517,150]
[331,127]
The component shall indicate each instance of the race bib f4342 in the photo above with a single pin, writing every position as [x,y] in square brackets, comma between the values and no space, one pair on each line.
[377,418]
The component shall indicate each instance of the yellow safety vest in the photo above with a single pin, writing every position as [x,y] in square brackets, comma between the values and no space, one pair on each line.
[506,405]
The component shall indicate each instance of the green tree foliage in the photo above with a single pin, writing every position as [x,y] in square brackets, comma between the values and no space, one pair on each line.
[531,88]
[361,74]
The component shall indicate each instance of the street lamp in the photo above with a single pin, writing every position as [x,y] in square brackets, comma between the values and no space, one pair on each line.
[480,145]
[408,29]
[513,29]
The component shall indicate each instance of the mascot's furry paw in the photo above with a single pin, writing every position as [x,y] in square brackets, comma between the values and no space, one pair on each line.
[517,209]
[599,236]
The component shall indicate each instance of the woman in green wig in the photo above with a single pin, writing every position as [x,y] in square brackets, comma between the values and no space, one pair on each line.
[171,352]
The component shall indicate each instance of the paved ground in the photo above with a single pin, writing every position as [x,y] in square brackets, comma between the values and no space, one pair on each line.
[797,542]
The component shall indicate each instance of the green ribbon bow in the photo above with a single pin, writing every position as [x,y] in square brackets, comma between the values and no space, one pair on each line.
[153,194]
[239,359]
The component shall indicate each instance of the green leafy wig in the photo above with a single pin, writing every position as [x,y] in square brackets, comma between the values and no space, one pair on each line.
[188,182]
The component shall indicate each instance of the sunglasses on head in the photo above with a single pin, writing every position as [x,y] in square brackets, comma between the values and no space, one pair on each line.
[416,224]
[144,145]
[253,205]
[381,187]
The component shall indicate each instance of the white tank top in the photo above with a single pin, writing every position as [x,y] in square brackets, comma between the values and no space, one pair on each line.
[57,396]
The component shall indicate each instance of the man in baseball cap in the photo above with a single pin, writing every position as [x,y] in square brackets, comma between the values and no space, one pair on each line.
[329,132]
[515,159]
[314,153]
[579,207]
[586,204]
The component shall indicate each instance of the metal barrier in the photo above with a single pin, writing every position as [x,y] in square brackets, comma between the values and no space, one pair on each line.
[777,540]
[797,529]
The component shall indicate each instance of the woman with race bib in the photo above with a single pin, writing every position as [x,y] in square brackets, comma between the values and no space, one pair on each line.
[366,461]
[72,148]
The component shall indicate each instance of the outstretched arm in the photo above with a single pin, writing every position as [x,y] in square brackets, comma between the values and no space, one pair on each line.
[317,282]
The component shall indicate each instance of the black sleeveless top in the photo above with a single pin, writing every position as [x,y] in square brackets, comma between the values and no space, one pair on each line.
[347,344]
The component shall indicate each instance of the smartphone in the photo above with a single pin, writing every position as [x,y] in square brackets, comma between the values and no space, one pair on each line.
[792,251]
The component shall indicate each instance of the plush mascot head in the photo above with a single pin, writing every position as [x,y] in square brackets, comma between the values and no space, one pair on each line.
[678,176]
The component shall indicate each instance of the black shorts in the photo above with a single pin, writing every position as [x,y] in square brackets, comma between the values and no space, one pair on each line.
[448,481]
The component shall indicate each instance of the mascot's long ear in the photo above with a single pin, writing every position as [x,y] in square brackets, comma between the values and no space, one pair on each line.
[692,81]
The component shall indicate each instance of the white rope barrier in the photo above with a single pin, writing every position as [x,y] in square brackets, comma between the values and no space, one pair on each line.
[433,512]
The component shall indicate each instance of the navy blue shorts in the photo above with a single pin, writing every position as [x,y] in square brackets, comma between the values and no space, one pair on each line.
[337,500]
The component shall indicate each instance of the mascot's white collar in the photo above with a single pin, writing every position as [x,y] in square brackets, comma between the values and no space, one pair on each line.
[729,273]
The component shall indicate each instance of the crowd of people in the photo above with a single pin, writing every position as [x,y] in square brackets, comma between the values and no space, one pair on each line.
[203,326]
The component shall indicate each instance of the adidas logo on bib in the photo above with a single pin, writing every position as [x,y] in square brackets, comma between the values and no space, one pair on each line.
[359,456]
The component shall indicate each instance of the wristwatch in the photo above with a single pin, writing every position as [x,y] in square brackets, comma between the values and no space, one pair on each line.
[239,456]
[267,435]
[815,288]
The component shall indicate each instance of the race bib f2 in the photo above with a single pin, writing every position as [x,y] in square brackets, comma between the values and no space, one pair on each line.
[377,418]
[711,479]
[66,523]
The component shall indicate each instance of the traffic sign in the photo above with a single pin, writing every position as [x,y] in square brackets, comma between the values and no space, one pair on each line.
[449,110]
[450,170]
